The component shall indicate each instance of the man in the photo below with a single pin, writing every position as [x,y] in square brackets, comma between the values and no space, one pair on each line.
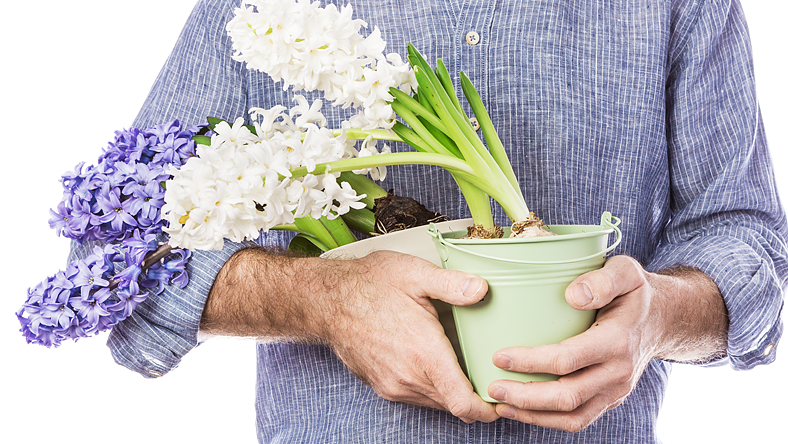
[644,110]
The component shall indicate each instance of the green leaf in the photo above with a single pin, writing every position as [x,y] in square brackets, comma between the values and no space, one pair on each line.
[362,220]
[307,245]
[432,143]
[497,149]
[417,108]
[435,139]
[443,75]
[213,121]
[461,131]
[410,137]
[202,140]
[332,233]
[450,163]
[467,140]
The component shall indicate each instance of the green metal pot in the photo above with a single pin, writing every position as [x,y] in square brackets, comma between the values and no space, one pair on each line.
[525,303]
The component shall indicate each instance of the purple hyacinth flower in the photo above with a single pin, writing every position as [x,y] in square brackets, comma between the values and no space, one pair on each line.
[115,212]
[146,204]
[178,267]
[70,177]
[61,280]
[82,223]
[139,245]
[55,311]
[127,302]
[117,200]
[91,308]
[60,220]
[156,277]
[32,322]
[74,331]
[161,131]
[91,180]
[90,277]
[123,172]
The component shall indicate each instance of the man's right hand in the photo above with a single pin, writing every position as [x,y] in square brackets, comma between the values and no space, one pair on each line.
[375,313]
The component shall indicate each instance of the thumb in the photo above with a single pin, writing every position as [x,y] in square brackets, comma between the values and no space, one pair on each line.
[595,289]
[455,287]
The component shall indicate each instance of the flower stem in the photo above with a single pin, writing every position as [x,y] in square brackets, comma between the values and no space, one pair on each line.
[155,256]
[357,163]
[150,259]
[359,134]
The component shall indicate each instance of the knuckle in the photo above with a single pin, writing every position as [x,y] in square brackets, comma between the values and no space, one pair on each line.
[425,362]
[392,391]
[624,261]
[568,401]
[460,409]
[624,374]
[605,282]
[633,267]
[566,361]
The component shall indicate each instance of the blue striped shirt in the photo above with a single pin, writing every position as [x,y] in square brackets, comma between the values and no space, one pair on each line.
[644,109]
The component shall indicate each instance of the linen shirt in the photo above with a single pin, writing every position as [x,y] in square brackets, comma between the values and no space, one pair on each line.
[646,109]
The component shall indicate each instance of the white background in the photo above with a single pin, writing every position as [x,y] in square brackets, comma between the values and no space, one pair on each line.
[73,72]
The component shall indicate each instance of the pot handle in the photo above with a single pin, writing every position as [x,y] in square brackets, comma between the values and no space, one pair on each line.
[608,221]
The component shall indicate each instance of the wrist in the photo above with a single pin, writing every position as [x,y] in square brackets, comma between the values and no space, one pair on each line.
[690,316]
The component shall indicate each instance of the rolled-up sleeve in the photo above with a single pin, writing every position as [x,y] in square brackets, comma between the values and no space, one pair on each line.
[165,327]
[726,217]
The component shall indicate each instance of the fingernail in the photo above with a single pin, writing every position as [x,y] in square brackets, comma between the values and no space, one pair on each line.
[502,361]
[497,392]
[582,296]
[471,287]
[506,412]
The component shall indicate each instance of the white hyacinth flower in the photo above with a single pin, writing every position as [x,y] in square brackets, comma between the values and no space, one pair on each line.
[313,48]
[242,183]
[369,148]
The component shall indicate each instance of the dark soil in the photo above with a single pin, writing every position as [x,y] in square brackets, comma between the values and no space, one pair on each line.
[395,213]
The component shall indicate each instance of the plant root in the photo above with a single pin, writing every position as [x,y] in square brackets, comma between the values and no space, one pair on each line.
[531,227]
[477,231]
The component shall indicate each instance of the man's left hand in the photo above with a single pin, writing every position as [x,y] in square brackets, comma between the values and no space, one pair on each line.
[640,316]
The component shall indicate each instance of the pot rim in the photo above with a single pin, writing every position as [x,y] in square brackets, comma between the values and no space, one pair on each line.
[594,230]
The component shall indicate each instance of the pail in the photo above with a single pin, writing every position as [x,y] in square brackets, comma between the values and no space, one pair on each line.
[525,304]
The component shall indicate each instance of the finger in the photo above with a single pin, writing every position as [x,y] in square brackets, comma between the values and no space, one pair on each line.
[595,289]
[572,422]
[565,395]
[453,287]
[423,279]
[589,348]
[468,406]
[459,398]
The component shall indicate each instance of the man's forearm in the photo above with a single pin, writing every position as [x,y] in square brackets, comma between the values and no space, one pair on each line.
[693,313]
[260,294]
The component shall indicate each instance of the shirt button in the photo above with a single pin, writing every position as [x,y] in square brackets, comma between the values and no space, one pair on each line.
[154,373]
[768,350]
[472,37]
[474,123]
